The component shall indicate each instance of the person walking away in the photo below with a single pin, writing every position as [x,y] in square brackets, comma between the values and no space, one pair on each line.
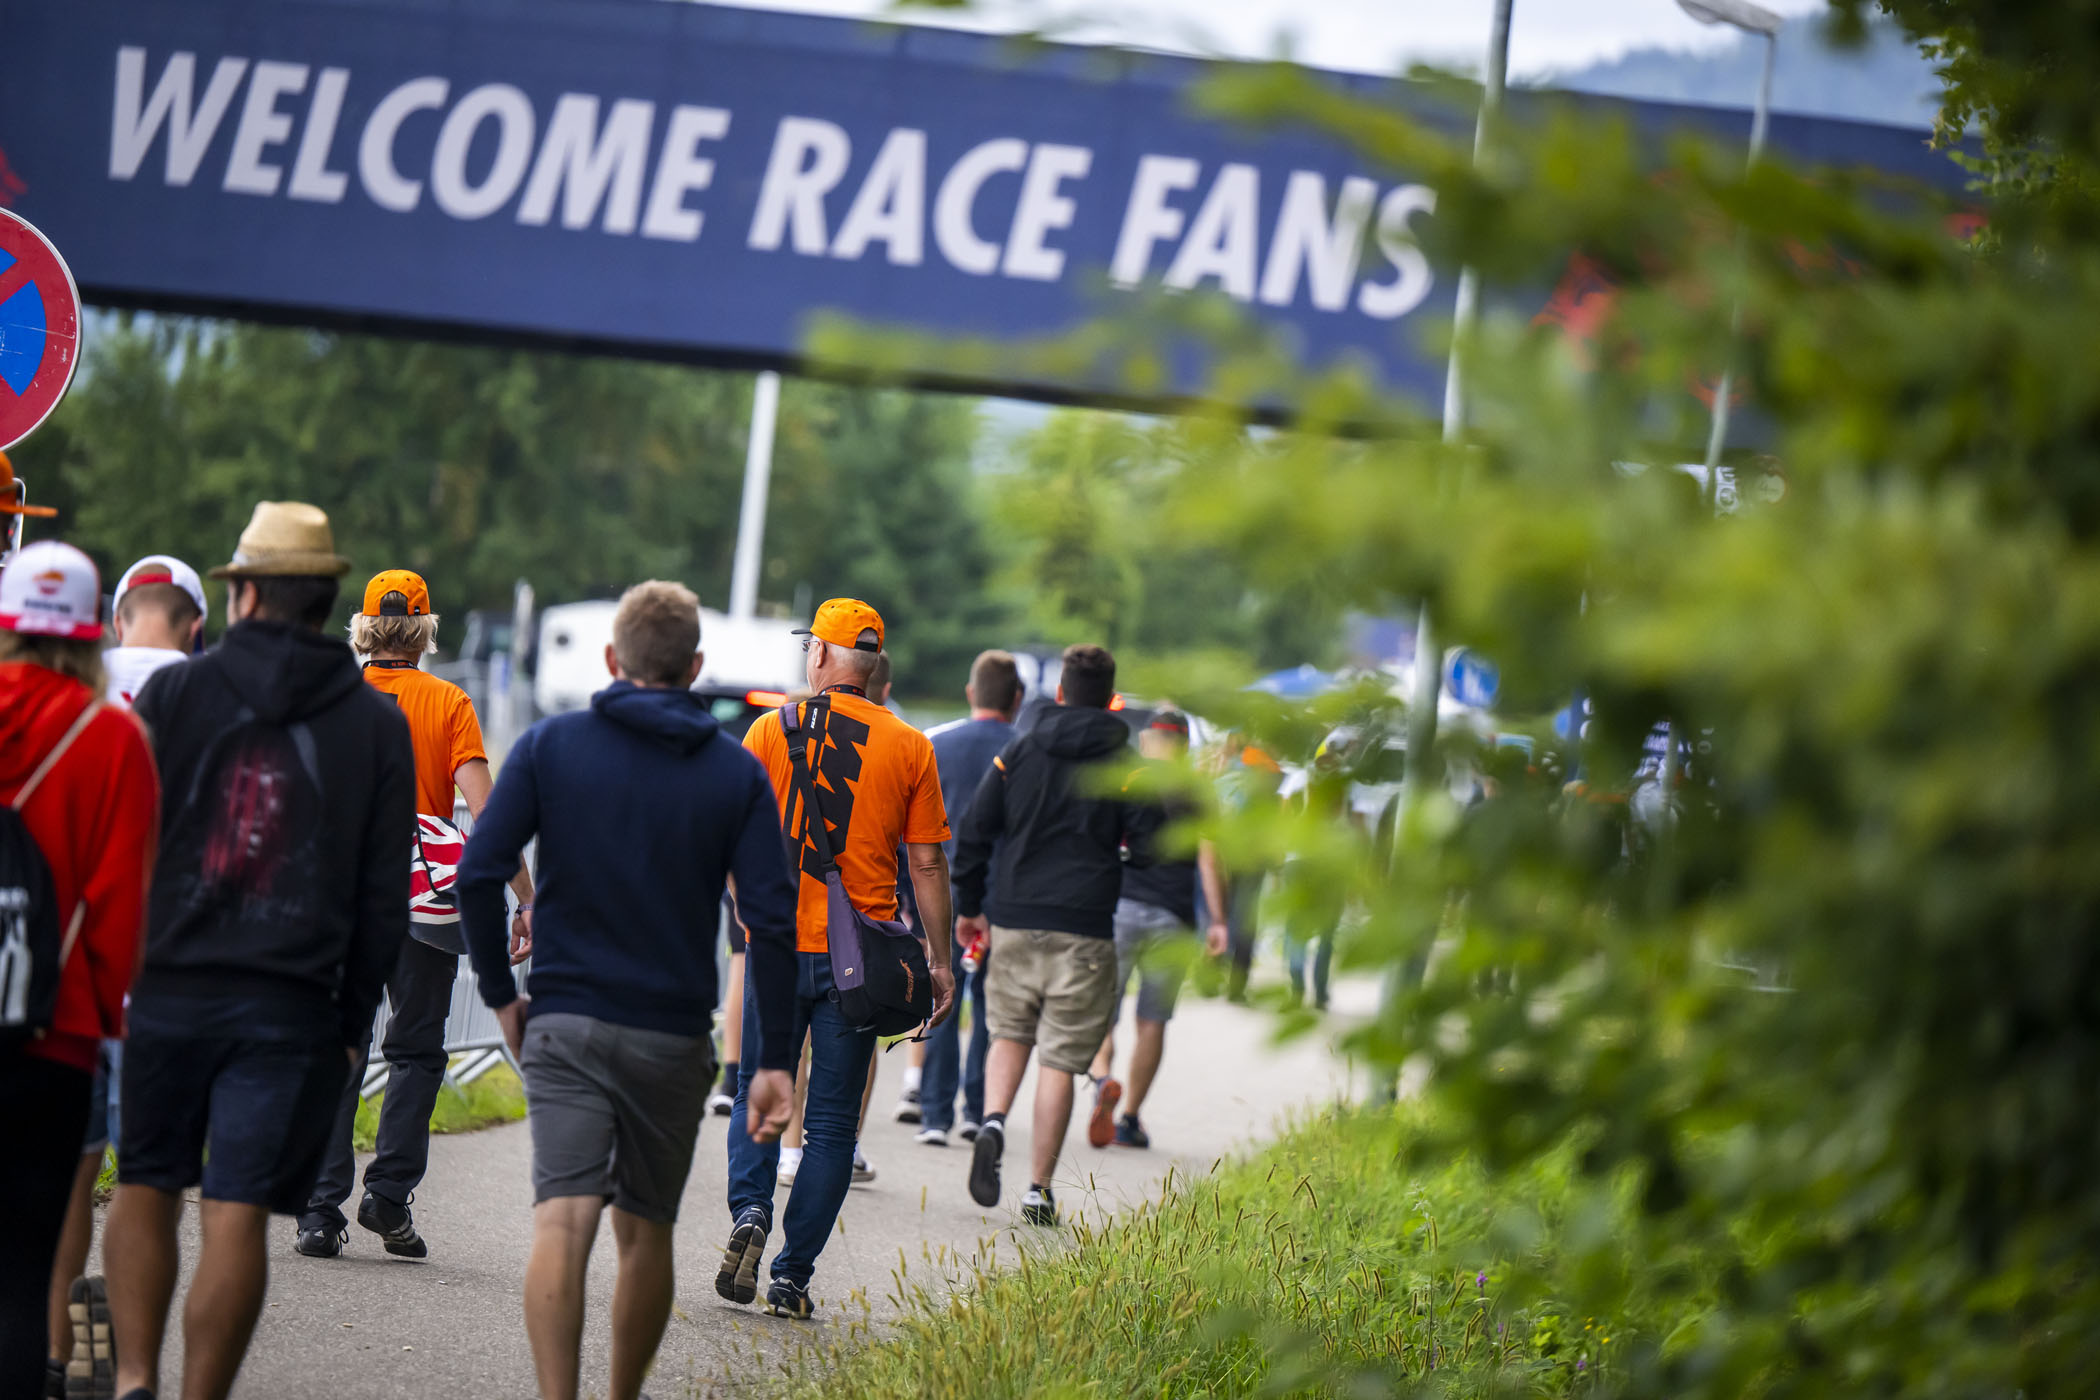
[722,1102]
[878,790]
[1314,907]
[1157,902]
[1250,778]
[392,632]
[908,913]
[77,835]
[645,812]
[278,907]
[963,751]
[1051,986]
[157,614]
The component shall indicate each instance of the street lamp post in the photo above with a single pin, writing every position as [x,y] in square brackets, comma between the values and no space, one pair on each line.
[1429,662]
[1750,19]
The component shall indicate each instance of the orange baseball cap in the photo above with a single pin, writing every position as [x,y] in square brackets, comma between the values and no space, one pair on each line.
[840,621]
[409,585]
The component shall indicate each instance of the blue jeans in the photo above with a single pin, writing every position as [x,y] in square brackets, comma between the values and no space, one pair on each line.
[838,1072]
[944,1056]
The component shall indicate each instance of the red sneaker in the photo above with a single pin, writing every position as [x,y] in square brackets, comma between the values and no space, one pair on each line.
[1101,1128]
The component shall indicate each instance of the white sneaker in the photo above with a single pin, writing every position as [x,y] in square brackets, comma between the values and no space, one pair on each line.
[721,1105]
[790,1162]
[933,1137]
[907,1109]
[862,1172]
[968,1131]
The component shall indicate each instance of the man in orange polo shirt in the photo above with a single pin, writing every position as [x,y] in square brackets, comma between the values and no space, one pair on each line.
[391,634]
[878,789]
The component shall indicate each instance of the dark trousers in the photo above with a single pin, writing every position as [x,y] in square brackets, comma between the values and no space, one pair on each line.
[420,994]
[45,1107]
[838,1073]
[1242,914]
[946,1064]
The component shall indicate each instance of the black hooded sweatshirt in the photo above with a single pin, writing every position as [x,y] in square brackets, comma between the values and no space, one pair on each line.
[1059,847]
[288,802]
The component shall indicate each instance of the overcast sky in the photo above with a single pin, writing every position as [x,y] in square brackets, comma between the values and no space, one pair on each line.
[1363,35]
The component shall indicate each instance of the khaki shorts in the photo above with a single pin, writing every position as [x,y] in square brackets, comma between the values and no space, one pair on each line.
[1055,991]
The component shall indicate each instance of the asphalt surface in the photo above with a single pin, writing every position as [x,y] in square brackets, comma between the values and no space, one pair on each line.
[366,1326]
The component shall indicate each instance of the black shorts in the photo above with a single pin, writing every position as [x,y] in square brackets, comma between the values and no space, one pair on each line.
[248,1120]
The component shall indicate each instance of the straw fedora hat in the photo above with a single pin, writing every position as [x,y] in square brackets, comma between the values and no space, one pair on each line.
[285,538]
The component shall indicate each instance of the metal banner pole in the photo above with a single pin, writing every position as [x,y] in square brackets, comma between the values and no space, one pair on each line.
[758,477]
[1428,677]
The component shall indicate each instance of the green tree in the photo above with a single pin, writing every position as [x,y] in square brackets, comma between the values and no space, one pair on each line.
[873,499]
[1823,1030]
[480,466]
[1103,551]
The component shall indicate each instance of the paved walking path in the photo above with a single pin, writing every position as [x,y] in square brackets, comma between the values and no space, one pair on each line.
[369,1327]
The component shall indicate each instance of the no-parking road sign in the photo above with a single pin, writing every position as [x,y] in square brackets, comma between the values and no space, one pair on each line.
[39,328]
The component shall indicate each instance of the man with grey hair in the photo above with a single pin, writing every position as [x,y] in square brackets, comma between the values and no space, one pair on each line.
[644,811]
[876,788]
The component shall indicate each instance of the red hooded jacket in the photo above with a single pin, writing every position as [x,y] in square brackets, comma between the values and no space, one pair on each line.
[96,818]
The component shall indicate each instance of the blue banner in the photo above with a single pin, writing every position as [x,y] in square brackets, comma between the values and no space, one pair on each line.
[696,182]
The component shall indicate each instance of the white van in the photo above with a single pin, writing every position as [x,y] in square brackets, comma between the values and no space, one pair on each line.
[570,666]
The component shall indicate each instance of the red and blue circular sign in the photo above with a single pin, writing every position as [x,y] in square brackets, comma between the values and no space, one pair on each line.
[39,328]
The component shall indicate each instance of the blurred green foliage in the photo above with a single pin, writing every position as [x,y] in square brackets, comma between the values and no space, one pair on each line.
[1834,1012]
[1829,1006]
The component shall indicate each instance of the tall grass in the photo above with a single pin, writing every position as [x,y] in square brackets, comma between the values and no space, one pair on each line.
[1327,1266]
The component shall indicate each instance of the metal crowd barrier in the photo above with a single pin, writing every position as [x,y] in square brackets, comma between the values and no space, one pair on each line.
[473,1037]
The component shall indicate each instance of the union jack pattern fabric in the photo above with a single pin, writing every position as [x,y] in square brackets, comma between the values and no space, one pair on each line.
[433,871]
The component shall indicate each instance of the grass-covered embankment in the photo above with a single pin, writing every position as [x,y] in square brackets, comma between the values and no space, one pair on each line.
[1324,1266]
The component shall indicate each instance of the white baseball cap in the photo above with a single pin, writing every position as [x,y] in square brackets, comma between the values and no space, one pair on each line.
[52,590]
[162,568]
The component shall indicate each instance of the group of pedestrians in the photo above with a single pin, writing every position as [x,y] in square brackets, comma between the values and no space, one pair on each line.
[221,883]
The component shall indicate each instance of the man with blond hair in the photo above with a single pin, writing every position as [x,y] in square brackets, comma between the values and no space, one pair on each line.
[644,811]
[391,634]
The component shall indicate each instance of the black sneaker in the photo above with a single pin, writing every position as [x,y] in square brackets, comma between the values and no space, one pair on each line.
[91,1374]
[1130,1132]
[1039,1207]
[54,1379]
[737,1279]
[320,1240]
[393,1224]
[984,1164]
[785,1299]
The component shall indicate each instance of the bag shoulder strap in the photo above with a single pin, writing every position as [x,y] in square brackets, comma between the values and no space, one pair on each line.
[797,734]
[58,751]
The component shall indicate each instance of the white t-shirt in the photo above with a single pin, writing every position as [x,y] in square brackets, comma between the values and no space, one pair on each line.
[128,668]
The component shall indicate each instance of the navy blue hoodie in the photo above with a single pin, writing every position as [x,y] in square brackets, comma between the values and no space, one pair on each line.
[643,809]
